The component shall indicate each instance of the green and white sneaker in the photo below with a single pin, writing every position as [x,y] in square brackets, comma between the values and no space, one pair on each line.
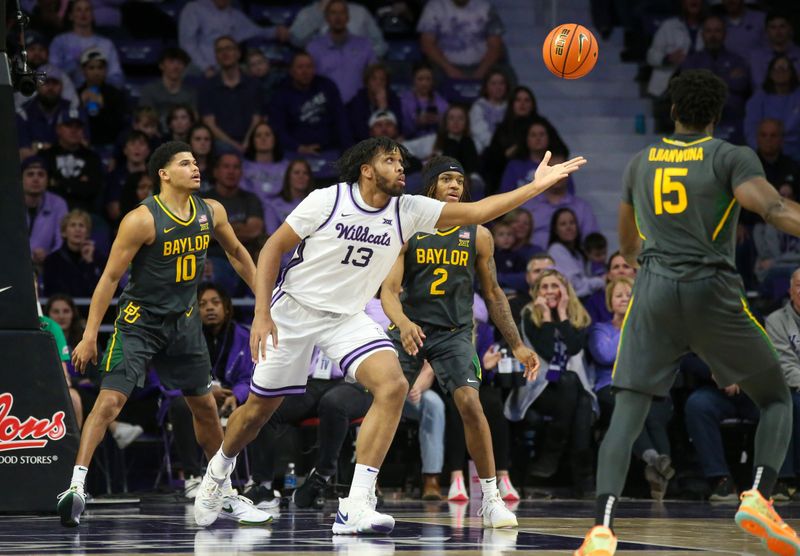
[71,504]
[241,509]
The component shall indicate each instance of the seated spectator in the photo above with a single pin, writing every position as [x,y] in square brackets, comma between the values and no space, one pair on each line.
[264,165]
[528,154]
[779,169]
[170,89]
[201,139]
[454,139]
[674,40]
[340,55]
[298,182]
[778,254]
[732,69]
[310,23]
[38,56]
[595,245]
[778,99]
[652,445]
[510,263]
[66,48]
[538,263]
[203,22]
[36,120]
[373,96]
[307,112]
[75,171]
[596,304]
[744,28]
[145,119]
[545,205]
[462,38]
[422,106]
[258,68]
[555,326]
[135,152]
[45,210]
[104,103]
[228,102]
[138,187]
[522,225]
[780,34]
[565,248]
[383,123]
[489,109]
[245,214]
[180,119]
[75,268]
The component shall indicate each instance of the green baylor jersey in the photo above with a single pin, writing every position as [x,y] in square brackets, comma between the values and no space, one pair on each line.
[681,189]
[439,277]
[165,274]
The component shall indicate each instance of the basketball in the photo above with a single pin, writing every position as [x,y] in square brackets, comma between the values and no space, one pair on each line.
[570,51]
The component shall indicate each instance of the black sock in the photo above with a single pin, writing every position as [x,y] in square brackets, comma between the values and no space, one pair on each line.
[764,480]
[604,509]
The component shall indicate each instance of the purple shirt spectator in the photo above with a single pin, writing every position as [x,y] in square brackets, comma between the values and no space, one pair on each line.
[573,266]
[744,33]
[37,124]
[276,212]
[412,106]
[603,341]
[44,223]
[66,50]
[232,364]
[263,179]
[785,108]
[760,59]
[543,208]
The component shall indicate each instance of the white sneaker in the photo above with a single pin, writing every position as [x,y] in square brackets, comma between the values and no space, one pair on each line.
[71,503]
[359,516]
[495,514]
[191,486]
[241,509]
[208,501]
[125,433]
[457,492]
[507,490]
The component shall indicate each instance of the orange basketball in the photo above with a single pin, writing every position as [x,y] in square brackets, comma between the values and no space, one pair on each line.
[570,51]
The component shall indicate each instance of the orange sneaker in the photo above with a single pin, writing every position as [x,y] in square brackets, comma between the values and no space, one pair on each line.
[757,517]
[599,541]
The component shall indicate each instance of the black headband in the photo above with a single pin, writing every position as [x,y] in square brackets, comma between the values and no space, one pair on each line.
[433,172]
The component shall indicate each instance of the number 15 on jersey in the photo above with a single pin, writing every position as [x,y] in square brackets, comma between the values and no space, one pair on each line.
[669,195]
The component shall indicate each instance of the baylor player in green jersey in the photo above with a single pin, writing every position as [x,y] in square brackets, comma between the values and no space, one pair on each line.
[433,319]
[677,222]
[164,240]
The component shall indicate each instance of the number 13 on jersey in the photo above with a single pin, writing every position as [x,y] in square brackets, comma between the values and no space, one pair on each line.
[664,185]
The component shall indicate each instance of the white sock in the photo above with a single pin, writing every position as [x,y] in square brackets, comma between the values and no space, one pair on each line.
[488,487]
[363,483]
[78,476]
[221,466]
[650,456]
[266,484]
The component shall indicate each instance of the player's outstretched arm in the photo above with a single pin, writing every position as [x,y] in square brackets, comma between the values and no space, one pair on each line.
[240,259]
[497,304]
[135,230]
[759,196]
[630,243]
[411,335]
[269,262]
[463,214]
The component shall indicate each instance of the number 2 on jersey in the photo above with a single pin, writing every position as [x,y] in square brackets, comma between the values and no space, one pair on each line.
[665,185]
[439,281]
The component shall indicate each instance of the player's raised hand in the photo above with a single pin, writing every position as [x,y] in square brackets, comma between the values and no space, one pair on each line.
[547,176]
[529,360]
[85,351]
[263,327]
[411,336]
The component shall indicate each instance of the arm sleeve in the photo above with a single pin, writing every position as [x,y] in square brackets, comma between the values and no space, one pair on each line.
[312,211]
[790,364]
[542,338]
[574,338]
[419,214]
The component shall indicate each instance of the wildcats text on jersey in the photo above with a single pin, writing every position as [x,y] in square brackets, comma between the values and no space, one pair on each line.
[452,257]
[186,245]
[693,154]
[361,233]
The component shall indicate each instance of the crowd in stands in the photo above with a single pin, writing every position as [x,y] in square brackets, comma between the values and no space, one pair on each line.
[269,96]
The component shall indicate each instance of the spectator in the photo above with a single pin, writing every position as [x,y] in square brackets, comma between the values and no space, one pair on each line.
[135,152]
[202,142]
[745,28]
[45,210]
[522,225]
[674,40]
[170,89]
[297,184]
[180,119]
[36,120]
[104,103]
[75,268]
[596,304]
[488,110]
[732,69]
[383,123]
[652,445]
[264,165]
[555,326]
[538,263]
[38,56]
[340,55]
[558,196]
[145,119]
[203,22]
[528,154]
[66,48]
[595,245]
[510,263]
[138,187]
[307,111]
[75,171]
[455,139]
[463,38]
[780,34]
[62,309]
[373,96]
[228,102]
[778,99]
[778,254]
[310,22]
[422,106]
[565,248]
[267,78]
[780,170]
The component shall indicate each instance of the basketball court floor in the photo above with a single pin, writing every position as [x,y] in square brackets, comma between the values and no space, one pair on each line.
[162,525]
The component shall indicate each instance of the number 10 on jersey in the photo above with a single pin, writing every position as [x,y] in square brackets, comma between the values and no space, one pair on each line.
[663,185]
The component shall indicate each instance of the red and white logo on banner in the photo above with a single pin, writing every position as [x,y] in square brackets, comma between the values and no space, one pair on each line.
[16,434]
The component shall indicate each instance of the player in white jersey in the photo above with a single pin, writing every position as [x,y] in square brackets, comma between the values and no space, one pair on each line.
[346,238]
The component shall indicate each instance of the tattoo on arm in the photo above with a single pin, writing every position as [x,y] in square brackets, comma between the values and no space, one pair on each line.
[499,310]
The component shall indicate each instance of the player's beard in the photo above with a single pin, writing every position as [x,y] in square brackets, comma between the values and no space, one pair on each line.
[383,184]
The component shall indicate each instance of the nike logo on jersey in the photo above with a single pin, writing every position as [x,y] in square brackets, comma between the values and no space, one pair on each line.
[343,215]
[168,230]
[422,236]
[6,288]
[189,313]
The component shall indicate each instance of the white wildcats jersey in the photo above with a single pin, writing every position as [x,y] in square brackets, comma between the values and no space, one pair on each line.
[348,247]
